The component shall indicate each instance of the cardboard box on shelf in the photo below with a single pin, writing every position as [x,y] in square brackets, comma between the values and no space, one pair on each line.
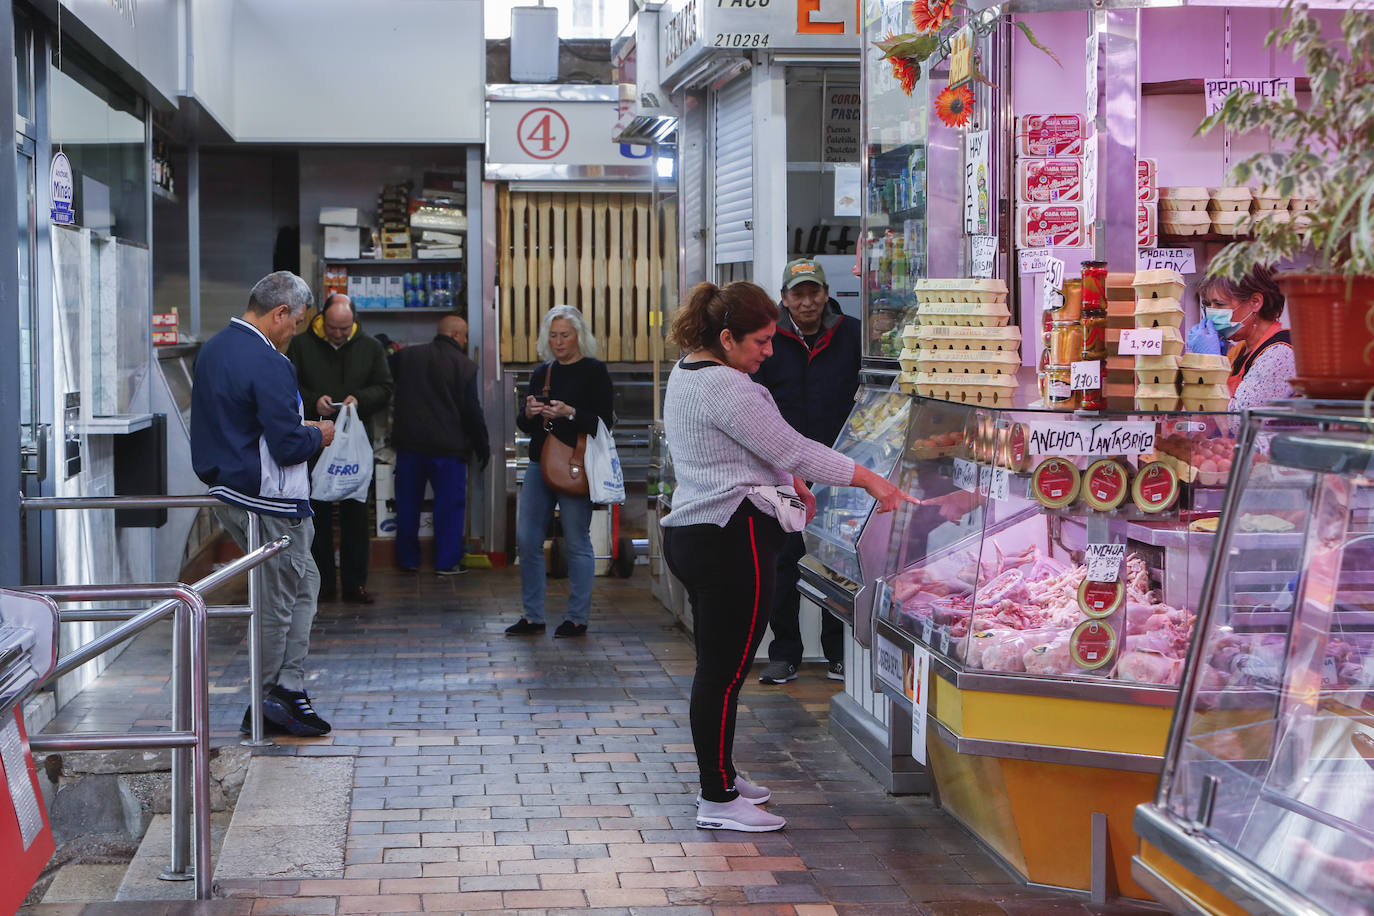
[376,293]
[1049,180]
[340,216]
[357,290]
[1050,135]
[395,292]
[1050,226]
[341,242]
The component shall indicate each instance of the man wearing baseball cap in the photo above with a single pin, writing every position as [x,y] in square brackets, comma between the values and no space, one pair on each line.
[813,375]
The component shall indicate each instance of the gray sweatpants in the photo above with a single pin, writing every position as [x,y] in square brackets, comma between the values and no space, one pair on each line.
[290,582]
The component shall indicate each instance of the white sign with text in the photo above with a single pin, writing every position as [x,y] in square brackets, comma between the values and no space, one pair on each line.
[1104,561]
[977,188]
[1074,438]
[984,255]
[1085,375]
[889,667]
[1033,260]
[920,702]
[965,475]
[1052,285]
[1141,342]
[1183,260]
[1215,92]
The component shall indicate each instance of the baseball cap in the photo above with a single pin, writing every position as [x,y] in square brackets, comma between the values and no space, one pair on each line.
[802,270]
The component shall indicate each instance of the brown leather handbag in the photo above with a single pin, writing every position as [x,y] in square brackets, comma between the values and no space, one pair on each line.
[562,466]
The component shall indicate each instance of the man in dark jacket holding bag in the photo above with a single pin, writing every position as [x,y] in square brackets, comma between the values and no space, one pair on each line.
[337,364]
[437,427]
[812,375]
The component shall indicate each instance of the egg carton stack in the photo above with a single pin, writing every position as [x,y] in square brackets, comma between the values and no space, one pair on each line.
[1203,377]
[961,348]
[1229,209]
[1183,211]
[1158,306]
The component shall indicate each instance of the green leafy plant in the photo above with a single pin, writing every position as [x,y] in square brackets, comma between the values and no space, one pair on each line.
[1326,151]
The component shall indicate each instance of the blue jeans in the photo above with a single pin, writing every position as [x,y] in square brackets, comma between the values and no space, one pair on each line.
[536,511]
[449,478]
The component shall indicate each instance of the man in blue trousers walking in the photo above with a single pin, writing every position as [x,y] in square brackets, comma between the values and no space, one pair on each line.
[437,427]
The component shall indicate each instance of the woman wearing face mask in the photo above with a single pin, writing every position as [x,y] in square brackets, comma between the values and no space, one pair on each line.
[1245,316]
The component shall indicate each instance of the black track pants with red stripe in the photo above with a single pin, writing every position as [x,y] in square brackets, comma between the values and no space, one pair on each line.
[728,573]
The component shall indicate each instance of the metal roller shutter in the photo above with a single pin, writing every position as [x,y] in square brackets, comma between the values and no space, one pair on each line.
[734,166]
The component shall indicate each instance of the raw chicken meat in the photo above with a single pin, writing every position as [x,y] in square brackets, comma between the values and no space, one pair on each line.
[1145,666]
[1051,657]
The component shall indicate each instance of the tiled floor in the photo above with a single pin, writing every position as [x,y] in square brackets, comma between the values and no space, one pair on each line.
[544,776]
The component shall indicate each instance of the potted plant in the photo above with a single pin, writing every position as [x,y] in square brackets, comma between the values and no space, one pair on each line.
[1322,154]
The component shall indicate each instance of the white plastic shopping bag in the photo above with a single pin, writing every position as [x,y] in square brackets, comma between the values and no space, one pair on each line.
[344,470]
[605,480]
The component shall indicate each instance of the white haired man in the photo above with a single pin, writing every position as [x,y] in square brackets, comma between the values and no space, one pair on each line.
[250,443]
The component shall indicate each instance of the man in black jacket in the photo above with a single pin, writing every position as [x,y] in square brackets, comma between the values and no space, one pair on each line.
[337,364]
[437,427]
[813,375]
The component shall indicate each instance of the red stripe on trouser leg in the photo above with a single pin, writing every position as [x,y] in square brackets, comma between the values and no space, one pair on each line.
[743,662]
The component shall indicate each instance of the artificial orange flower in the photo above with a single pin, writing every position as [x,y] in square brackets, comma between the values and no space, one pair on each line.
[927,15]
[905,72]
[955,106]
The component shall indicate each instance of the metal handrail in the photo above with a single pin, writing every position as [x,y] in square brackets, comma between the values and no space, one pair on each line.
[51,503]
[190,697]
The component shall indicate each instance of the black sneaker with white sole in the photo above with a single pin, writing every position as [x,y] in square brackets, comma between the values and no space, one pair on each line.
[268,726]
[778,673]
[291,710]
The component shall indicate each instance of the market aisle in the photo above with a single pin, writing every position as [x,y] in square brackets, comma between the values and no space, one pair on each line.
[542,775]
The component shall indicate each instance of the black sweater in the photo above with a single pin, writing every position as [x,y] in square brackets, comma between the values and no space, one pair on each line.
[585,386]
[437,411]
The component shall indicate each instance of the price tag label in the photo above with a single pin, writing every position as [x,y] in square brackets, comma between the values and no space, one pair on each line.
[1141,342]
[984,479]
[965,474]
[984,255]
[927,631]
[920,702]
[1086,375]
[1329,675]
[1104,561]
[1052,284]
[889,668]
[944,642]
[1091,56]
[1090,181]
[1069,438]
[1183,260]
[999,487]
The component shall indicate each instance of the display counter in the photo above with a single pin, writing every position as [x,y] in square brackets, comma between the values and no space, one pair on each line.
[846,543]
[1047,584]
[1266,803]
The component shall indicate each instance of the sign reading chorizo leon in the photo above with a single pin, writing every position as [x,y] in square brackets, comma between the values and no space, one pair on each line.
[1069,438]
[542,133]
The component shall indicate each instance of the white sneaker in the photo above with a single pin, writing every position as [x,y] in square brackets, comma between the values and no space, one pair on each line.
[755,795]
[736,815]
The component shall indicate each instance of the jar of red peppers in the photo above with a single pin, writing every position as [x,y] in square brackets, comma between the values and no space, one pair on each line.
[1094,349]
[1094,282]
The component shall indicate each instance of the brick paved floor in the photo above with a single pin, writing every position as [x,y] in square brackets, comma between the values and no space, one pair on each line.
[544,776]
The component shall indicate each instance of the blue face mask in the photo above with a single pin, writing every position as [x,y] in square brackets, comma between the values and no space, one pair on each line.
[1221,322]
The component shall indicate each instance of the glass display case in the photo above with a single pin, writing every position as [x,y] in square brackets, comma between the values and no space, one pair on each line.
[1035,614]
[846,543]
[1267,795]
[1051,545]
[893,241]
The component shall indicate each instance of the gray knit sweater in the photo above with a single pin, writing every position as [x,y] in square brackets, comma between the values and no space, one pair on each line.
[725,435]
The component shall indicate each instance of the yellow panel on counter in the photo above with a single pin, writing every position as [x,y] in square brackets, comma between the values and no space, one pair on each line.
[1202,894]
[971,789]
[1053,806]
[1054,721]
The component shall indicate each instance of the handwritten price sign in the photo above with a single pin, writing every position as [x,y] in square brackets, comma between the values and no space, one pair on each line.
[1104,561]
[1086,375]
[1141,342]
[965,475]
[1052,285]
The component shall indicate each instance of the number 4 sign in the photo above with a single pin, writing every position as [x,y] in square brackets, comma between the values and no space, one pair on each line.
[543,133]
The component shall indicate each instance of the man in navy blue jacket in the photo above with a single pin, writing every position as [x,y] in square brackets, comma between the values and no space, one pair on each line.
[249,444]
[812,374]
